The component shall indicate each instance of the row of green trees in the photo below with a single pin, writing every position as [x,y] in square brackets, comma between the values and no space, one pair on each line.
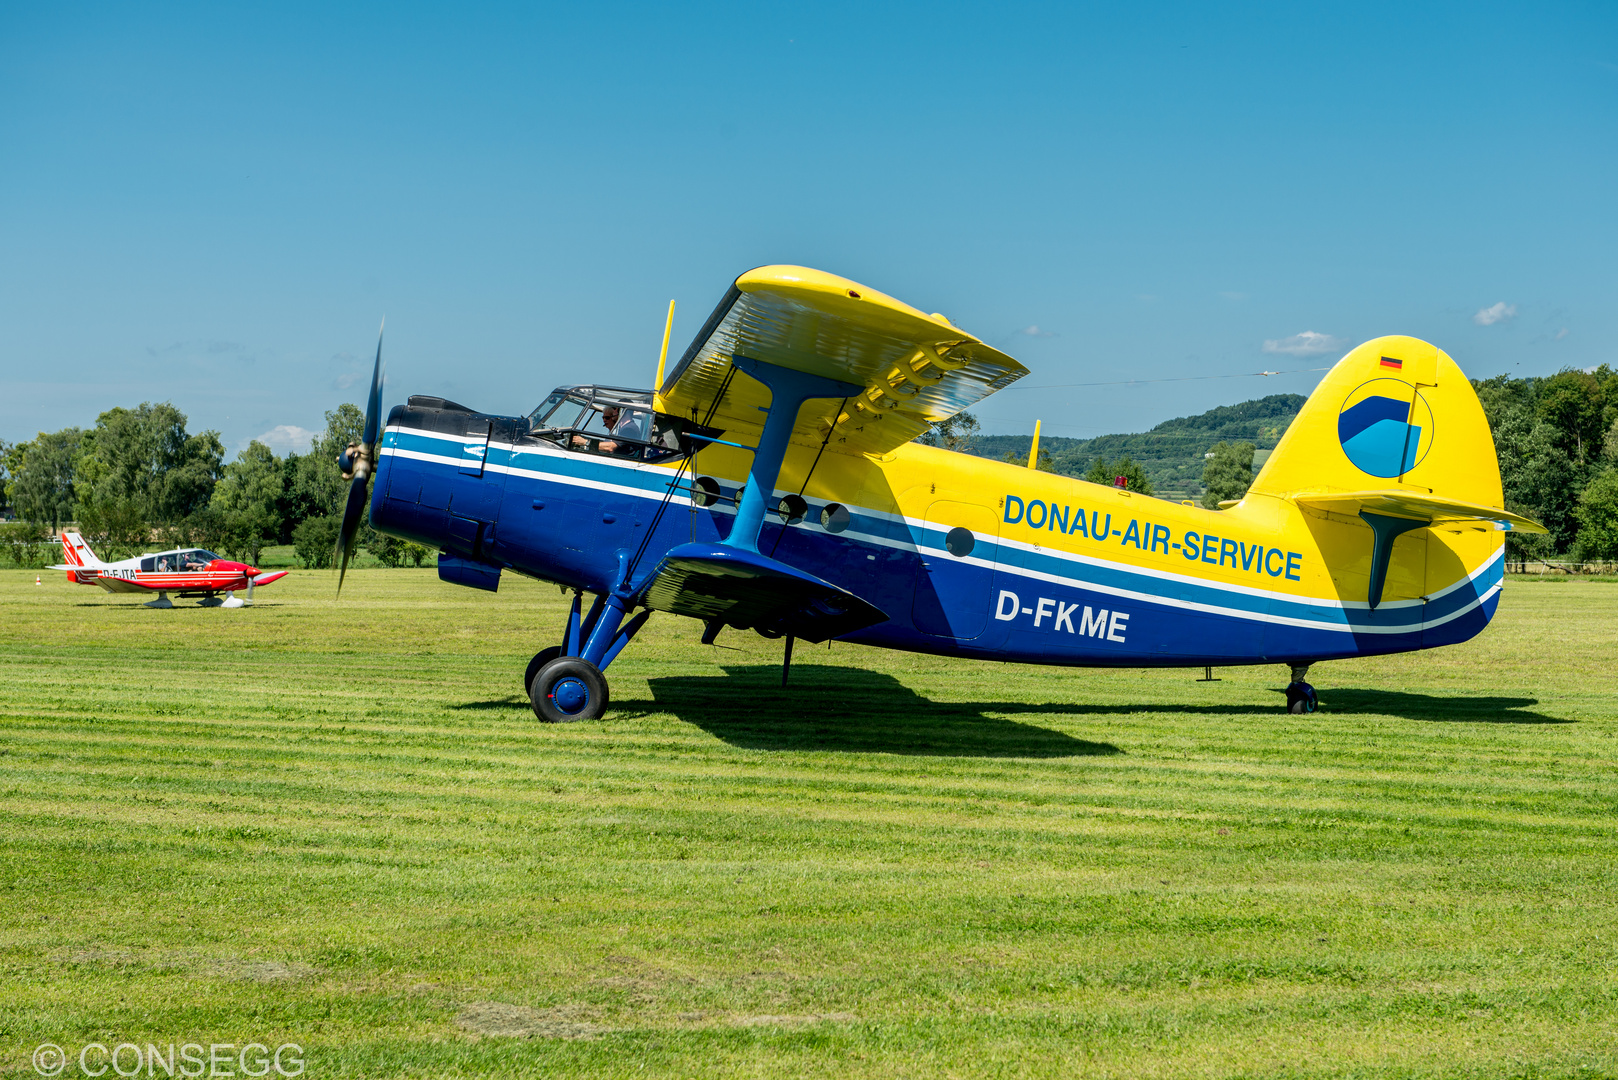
[1556,438]
[139,478]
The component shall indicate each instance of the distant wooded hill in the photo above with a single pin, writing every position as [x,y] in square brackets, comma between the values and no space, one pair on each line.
[1172,452]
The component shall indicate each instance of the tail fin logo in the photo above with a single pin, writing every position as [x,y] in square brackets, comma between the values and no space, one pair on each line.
[1385,427]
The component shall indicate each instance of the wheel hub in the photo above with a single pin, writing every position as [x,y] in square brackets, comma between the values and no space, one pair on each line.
[570,695]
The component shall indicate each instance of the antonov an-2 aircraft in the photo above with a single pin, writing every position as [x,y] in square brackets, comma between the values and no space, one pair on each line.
[771,482]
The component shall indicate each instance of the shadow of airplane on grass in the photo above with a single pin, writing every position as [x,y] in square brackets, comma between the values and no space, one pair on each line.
[1451,710]
[854,710]
[844,709]
[851,709]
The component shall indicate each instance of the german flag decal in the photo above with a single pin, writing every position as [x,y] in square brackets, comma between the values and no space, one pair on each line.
[1390,362]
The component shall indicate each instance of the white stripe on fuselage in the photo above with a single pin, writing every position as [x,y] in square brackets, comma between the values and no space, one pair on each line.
[1034,575]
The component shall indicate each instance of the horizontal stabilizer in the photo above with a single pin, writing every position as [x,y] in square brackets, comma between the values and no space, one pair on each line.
[746,589]
[1415,506]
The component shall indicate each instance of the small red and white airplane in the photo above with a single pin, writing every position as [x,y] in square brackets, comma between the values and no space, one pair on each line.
[186,571]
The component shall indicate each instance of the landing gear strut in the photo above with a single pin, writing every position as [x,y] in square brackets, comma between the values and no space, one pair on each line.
[1300,695]
[565,682]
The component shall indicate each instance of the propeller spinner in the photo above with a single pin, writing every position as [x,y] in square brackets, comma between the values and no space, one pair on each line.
[357,462]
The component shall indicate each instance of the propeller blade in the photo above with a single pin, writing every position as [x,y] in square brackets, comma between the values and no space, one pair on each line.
[353,511]
[373,403]
[361,465]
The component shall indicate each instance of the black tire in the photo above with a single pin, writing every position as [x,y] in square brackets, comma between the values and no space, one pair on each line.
[541,658]
[1301,698]
[568,689]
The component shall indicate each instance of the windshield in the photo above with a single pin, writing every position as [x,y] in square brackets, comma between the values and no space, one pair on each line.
[551,412]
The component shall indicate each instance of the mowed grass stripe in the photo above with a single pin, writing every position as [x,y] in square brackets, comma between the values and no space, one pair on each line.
[898,864]
[322,758]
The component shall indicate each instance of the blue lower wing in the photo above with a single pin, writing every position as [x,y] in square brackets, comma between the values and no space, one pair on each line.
[746,589]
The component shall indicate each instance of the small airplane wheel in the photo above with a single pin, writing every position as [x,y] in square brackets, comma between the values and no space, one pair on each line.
[568,689]
[541,658]
[1301,698]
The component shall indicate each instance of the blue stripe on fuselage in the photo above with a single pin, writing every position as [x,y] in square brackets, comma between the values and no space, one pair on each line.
[1172,619]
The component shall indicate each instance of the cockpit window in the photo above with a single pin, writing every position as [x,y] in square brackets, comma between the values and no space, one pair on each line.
[607,420]
[197,559]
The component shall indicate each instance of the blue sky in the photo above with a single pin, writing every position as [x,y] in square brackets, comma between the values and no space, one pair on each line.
[216,204]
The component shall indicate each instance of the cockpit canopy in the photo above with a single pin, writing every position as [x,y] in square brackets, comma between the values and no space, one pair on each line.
[613,421]
[178,561]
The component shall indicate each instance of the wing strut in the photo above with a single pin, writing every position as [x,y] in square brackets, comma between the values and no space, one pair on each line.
[789,389]
[732,582]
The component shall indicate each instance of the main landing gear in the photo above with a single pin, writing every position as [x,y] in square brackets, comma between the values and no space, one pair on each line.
[565,682]
[1300,695]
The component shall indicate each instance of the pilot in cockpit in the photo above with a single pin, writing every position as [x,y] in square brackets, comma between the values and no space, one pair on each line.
[625,424]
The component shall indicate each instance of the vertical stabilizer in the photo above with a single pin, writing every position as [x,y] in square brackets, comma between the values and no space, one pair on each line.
[78,553]
[1395,414]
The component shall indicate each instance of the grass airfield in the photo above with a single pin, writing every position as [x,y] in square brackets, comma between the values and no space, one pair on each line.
[338,824]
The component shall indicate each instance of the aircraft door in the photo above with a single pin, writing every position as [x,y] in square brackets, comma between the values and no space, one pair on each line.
[955,571]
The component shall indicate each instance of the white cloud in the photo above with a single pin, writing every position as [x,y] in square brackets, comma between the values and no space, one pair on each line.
[1560,334]
[1035,331]
[287,439]
[1495,313]
[1308,343]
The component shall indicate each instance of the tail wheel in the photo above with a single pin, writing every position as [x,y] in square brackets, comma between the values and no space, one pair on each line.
[568,689]
[541,658]
[1301,698]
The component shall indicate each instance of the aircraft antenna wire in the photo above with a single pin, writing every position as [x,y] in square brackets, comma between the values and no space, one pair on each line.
[690,459]
[1178,378]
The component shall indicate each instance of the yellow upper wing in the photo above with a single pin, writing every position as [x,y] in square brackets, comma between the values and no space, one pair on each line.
[915,369]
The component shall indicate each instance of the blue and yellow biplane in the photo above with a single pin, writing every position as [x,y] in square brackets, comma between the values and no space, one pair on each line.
[772,481]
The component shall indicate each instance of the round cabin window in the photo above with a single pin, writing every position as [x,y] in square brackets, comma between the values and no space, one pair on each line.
[704,491]
[834,517]
[792,509]
[960,542]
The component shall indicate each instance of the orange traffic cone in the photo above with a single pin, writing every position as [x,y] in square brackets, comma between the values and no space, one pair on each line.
[37,581]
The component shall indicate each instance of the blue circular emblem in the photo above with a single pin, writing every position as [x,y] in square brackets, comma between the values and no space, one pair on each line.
[1385,427]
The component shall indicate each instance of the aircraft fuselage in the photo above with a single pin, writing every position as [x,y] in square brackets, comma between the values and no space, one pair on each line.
[967,557]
